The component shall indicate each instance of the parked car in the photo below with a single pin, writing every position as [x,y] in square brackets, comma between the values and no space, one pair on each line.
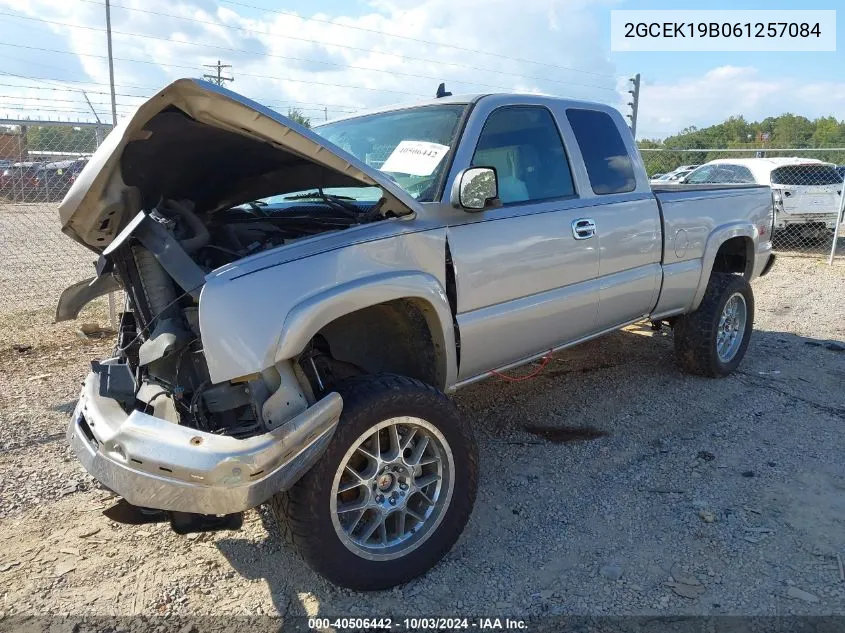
[21,182]
[671,177]
[56,178]
[806,192]
[292,341]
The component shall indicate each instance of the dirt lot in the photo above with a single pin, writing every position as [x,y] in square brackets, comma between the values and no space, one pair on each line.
[692,496]
[38,260]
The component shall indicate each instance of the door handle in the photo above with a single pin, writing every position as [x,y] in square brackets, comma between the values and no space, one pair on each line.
[583,228]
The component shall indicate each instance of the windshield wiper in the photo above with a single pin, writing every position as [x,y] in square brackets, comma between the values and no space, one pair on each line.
[314,195]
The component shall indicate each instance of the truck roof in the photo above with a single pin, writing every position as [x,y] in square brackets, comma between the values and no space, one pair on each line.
[467,99]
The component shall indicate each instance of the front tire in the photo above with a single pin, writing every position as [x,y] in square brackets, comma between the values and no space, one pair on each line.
[712,340]
[393,491]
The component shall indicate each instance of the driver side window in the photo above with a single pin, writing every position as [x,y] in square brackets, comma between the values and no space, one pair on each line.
[524,146]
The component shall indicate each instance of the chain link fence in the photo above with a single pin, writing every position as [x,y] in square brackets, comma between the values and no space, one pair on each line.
[807,188]
[38,164]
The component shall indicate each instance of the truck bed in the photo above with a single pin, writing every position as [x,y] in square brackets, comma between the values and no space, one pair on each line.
[674,188]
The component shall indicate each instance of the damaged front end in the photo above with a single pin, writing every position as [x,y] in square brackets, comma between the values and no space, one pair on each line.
[150,423]
[174,194]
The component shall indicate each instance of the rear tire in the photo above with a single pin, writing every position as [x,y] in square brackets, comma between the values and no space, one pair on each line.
[372,467]
[712,340]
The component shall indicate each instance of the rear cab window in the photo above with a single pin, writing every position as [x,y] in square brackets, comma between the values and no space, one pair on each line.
[609,165]
[793,175]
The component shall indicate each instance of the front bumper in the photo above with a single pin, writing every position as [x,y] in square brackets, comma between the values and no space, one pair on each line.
[157,464]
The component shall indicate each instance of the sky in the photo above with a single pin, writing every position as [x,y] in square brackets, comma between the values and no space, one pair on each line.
[331,57]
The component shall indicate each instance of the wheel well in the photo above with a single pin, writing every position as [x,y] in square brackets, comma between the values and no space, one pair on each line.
[399,337]
[735,255]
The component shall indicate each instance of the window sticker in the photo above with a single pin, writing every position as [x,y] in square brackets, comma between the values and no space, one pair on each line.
[417,158]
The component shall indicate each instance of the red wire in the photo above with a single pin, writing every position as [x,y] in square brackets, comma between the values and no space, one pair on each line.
[533,374]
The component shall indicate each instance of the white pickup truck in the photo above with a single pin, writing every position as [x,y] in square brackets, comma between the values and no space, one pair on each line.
[300,302]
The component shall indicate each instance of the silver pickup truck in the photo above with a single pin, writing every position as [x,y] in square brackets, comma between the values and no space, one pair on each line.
[299,302]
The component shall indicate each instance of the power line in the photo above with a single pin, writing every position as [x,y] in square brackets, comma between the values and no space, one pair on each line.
[356,48]
[218,78]
[34,109]
[50,99]
[94,92]
[22,107]
[271,103]
[237,50]
[162,64]
[167,65]
[414,39]
[268,102]
[52,81]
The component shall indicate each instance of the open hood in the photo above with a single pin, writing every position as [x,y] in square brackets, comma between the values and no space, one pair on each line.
[198,141]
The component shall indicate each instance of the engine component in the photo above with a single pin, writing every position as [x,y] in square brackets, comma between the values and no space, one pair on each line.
[157,285]
[167,336]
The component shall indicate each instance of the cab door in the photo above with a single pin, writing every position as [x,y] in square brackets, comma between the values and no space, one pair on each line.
[626,216]
[526,273]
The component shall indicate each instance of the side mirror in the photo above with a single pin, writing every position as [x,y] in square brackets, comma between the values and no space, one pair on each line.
[476,189]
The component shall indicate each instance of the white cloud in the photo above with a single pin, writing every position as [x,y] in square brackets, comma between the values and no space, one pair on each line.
[341,61]
[667,108]
[320,62]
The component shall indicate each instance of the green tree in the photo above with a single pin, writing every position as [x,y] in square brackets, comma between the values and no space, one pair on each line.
[295,114]
[59,138]
[828,133]
[786,131]
[792,131]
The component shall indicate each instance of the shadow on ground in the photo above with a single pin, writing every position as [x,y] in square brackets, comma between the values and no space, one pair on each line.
[632,493]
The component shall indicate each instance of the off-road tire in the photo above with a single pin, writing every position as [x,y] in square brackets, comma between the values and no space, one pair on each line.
[304,513]
[695,333]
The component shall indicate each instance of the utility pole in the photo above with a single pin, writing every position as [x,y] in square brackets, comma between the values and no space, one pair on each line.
[217,78]
[635,104]
[111,66]
[112,310]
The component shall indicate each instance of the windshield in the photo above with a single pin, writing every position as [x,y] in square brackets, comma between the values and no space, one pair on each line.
[408,145]
[806,175]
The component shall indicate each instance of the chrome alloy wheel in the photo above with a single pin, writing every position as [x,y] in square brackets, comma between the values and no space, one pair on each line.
[392,488]
[731,327]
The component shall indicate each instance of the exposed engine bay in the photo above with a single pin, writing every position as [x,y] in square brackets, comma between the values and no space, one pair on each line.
[195,181]
[161,259]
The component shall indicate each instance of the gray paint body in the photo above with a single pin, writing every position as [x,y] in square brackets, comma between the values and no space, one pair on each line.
[522,279]
[524,285]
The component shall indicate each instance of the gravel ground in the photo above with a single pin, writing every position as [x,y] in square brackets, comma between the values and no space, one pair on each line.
[653,492]
[39,261]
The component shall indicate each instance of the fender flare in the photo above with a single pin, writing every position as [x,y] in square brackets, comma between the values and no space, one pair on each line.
[718,237]
[309,316]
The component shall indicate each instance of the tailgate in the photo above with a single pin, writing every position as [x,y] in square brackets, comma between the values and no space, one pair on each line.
[807,188]
[823,200]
